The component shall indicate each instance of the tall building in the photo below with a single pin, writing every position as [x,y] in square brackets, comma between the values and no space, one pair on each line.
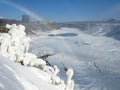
[25,18]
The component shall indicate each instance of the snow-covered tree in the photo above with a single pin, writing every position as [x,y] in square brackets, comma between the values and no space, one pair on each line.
[15,45]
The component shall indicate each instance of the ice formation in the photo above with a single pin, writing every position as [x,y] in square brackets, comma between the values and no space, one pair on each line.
[15,45]
[69,81]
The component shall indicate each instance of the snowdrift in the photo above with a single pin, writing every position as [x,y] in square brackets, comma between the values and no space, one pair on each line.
[13,76]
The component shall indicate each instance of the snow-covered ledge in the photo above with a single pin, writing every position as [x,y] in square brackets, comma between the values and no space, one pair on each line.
[15,45]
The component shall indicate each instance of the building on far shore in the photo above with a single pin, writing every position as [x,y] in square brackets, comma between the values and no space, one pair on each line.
[25,18]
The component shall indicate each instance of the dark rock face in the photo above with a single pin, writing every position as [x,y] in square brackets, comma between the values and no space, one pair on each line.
[8,21]
[3,29]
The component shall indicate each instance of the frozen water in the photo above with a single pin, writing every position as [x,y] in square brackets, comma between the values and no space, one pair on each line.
[94,59]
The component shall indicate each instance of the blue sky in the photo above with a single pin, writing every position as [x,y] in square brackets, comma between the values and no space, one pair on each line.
[64,10]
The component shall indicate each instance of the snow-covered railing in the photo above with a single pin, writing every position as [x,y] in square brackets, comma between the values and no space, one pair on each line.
[14,44]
